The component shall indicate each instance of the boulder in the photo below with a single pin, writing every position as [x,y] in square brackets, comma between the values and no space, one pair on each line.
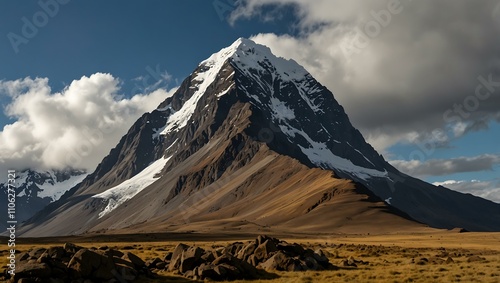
[32,270]
[475,258]
[223,259]
[320,256]
[161,265]
[246,251]
[291,249]
[37,252]
[137,261]
[153,262]
[207,271]
[125,273]
[81,264]
[209,256]
[113,253]
[168,256]
[232,273]
[106,269]
[262,238]
[22,256]
[294,265]
[312,264]
[176,257]
[71,248]
[56,252]
[279,261]
[264,250]
[190,258]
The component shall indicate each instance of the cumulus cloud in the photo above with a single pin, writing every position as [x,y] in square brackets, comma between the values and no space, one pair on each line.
[75,127]
[399,68]
[485,189]
[441,167]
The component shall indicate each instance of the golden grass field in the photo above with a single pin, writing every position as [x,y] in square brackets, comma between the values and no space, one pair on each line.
[389,257]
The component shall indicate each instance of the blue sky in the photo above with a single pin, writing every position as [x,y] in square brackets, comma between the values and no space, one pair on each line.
[396,69]
[120,37]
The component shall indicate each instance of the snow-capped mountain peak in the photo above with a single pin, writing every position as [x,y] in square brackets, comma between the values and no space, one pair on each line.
[248,127]
[249,57]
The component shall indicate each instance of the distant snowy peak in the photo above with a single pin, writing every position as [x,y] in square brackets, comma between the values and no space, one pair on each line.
[47,184]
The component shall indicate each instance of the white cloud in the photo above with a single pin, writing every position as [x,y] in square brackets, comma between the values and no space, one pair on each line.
[484,189]
[441,167]
[421,61]
[75,127]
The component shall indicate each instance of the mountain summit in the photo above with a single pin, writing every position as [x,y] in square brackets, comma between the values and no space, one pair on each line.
[253,142]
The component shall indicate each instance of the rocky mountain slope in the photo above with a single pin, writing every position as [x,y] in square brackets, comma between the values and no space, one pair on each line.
[251,141]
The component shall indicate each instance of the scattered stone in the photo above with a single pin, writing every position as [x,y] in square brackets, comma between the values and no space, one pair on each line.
[152,263]
[422,261]
[71,248]
[475,258]
[264,250]
[168,256]
[190,258]
[459,230]
[137,261]
[245,261]
[32,270]
[175,261]
[71,263]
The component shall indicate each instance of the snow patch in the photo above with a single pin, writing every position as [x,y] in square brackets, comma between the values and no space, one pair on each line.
[280,110]
[361,154]
[125,191]
[57,189]
[320,155]
[205,77]
[250,56]
[222,93]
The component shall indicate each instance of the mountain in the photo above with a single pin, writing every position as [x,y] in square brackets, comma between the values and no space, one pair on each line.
[36,189]
[253,142]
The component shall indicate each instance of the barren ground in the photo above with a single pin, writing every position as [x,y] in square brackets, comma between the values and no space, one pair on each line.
[390,258]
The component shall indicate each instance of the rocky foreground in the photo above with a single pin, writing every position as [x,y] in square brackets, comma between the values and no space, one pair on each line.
[72,263]
[254,259]
[249,260]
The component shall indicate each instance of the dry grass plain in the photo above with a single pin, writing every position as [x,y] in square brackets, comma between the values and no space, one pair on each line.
[388,258]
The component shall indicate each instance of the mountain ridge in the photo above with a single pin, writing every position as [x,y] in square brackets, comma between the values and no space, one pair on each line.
[239,107]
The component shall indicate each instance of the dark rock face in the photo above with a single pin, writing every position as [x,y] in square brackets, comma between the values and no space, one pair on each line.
[250,260]
[72,263]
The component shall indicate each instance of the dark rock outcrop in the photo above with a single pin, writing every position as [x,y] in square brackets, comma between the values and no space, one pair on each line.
[250,260]
[72,263]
